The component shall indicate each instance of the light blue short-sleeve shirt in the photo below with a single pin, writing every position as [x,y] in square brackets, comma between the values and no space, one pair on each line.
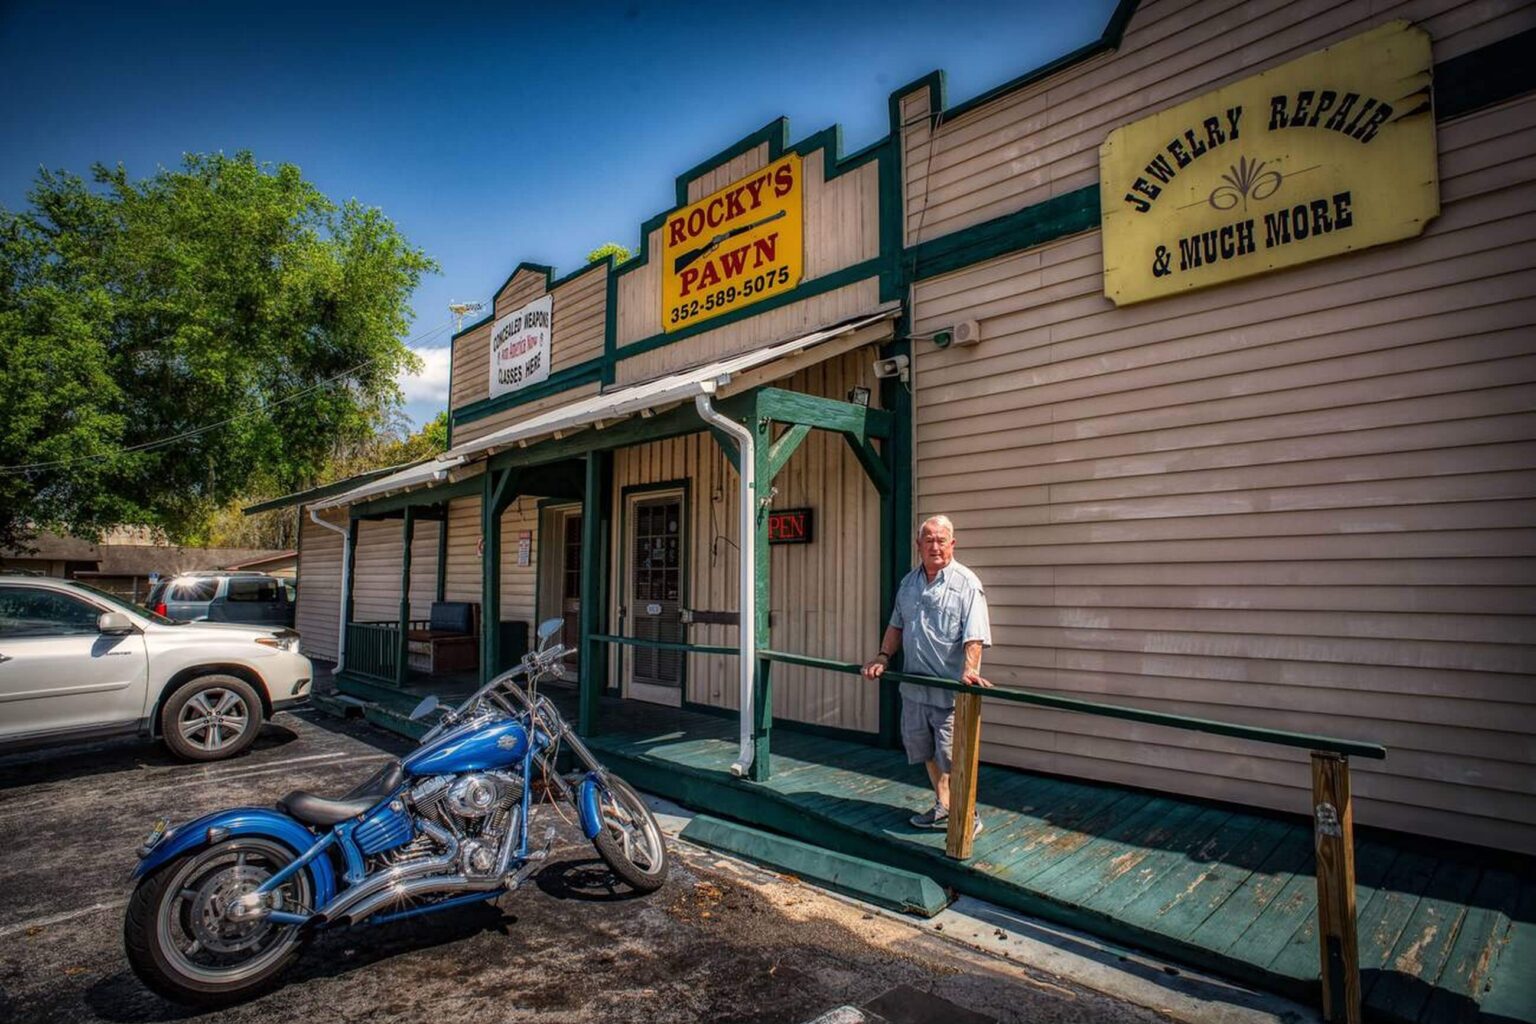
[936,619]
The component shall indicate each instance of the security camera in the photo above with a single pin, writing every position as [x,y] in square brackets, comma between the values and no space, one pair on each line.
[896,366]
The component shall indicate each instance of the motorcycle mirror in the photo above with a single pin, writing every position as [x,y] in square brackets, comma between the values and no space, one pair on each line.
[549,627]
[425,708]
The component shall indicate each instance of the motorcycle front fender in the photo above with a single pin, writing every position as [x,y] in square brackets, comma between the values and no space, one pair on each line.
[242,821]
[587,806]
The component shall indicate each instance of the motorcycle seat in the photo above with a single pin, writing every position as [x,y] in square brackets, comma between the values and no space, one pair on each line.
[326,811]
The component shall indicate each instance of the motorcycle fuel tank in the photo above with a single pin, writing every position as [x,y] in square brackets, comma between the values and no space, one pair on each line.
[474,746]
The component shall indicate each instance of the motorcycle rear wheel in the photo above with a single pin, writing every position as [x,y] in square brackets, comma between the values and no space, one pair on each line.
[630,842]
[179,941]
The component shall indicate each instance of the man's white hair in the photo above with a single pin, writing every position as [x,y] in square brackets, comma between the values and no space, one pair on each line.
[939,522]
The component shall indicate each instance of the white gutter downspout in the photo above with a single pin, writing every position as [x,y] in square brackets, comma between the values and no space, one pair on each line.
[747,530]
[346,585]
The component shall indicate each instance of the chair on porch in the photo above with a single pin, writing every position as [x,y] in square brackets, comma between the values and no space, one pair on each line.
[448,641]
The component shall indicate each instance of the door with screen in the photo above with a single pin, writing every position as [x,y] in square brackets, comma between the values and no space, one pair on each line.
[570,589]
[655,598]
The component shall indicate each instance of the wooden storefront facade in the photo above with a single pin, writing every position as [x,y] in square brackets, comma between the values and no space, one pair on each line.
[1299,500]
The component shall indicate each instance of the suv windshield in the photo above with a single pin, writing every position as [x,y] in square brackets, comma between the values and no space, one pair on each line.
[126,606]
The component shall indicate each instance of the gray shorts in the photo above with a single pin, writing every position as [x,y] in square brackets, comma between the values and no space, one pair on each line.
[927,733]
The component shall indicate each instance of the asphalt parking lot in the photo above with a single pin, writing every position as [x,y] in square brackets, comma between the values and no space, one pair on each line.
[720,942]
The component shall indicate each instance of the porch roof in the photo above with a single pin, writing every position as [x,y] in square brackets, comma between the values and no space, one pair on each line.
[722,377]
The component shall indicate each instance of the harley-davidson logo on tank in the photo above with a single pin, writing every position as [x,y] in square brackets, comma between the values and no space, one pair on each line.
[734,247]
[1331,152]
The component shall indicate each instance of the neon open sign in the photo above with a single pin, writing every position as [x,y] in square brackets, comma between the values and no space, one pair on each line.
[790,526]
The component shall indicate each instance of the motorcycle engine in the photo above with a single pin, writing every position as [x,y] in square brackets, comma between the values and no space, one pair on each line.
[473,805]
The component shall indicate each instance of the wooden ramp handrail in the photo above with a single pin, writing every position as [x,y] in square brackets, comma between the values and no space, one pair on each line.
[1332,814]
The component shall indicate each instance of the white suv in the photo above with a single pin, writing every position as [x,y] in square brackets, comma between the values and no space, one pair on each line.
[78,663]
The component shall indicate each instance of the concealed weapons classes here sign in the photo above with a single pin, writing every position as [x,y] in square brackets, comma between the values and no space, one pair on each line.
[734,247]
[520,346]
[1332,152]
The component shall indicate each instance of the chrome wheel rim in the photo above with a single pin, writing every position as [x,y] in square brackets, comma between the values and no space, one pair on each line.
[214,718]
[195,932]
[637,833]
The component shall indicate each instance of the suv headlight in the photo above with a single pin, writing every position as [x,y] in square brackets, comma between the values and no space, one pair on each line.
[283,642]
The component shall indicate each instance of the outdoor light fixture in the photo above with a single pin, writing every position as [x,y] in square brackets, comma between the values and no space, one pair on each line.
[859,396]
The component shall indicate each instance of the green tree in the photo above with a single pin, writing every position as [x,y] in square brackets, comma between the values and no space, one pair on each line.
[614,249]
[225,292]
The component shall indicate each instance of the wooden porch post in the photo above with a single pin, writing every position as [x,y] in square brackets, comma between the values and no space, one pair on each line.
[442,553]
[407,534]
[762,702]
[1333,830]
[962,774]
[491,508]
[596,511]
[348,588]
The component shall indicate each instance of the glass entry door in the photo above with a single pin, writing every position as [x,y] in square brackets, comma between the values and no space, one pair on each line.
[654,598]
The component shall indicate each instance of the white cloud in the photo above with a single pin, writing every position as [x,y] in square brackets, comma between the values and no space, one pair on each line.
[430,386]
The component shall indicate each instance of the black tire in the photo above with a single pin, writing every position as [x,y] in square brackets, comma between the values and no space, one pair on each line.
[624,814]
[211,718]
[159,906]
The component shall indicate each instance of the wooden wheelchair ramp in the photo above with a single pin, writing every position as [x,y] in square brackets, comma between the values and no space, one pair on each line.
[1446,934]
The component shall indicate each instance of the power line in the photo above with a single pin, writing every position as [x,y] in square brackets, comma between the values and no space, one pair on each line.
[145,446]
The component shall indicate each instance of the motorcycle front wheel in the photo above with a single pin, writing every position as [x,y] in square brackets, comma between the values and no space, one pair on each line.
[630,842]
[180,940]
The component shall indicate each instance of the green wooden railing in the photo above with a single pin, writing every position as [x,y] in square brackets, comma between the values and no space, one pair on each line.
[373,649]
[1305,741]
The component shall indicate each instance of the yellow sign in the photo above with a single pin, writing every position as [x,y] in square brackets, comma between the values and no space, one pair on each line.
[1332,152]
[735,247]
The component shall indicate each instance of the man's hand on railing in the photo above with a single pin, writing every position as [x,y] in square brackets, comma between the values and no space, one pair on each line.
[874,668]
[973,679]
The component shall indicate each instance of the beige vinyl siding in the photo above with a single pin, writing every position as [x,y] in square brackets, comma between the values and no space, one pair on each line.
[782,324]
[579,317]
[376,576]
[1043,141]
[466,432]
[318,613]
[825,599]
[518,582]
[842,227]
[462,581]
[1302,500]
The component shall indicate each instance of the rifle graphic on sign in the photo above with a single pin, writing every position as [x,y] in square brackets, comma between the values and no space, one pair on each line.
[694,255]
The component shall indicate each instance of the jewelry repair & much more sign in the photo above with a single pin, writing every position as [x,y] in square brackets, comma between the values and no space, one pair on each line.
[1332,152]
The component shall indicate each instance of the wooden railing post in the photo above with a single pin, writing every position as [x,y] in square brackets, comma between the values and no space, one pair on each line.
[1333,829]
[962,774]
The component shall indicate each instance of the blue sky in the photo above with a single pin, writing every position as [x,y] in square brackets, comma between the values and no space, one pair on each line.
[490,133]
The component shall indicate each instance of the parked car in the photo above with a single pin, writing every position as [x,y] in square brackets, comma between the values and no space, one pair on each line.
[224,597]
[77,663]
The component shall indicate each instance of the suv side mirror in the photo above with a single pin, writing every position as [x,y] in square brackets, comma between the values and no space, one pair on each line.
[114,623]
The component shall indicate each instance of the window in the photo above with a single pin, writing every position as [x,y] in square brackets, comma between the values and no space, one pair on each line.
[252,591]
[28,611]
[194,590]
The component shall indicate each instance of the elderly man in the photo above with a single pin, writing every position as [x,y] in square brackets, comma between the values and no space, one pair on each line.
[940,620]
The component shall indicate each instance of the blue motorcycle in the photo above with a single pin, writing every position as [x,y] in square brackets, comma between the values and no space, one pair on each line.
[225,902]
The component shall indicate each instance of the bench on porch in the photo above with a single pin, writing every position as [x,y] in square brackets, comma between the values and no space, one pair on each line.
[447,641]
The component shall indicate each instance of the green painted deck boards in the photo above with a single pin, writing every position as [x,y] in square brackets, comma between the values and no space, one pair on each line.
[1223,888]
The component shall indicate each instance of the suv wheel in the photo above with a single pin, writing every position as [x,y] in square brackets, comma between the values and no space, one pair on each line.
[211,718]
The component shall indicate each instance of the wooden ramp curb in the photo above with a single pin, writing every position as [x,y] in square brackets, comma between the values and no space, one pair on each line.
[884,886]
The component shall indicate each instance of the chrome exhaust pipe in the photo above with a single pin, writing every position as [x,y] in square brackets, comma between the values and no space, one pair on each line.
[434,886]
[341,905]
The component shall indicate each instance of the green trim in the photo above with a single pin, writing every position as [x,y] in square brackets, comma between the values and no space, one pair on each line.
[782,450]
[314,494]
[826,413]
[870,268]
[1492,74]
[596,535]
[407,538]
[424,496]
[1034,225]
[880,884]
[1280,737]
[661,645]
[442,555]
[588,372]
